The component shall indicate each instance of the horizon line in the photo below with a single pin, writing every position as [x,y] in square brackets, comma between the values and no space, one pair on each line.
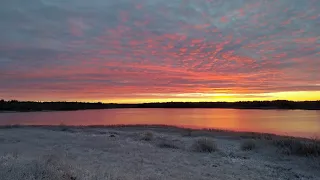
[94,102]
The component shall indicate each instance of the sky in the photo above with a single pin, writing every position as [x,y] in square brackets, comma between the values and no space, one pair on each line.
[133,51]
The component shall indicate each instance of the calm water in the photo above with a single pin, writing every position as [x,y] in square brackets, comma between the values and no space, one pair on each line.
[285,122]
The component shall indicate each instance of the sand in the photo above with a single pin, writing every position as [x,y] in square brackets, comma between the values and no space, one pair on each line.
[142,153]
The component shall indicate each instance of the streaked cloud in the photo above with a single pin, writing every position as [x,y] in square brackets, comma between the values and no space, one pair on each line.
[105,49]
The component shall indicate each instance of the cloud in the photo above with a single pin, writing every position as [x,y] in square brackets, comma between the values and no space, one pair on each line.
[106,48]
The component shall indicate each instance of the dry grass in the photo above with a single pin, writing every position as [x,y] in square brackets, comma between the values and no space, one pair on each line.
[147,136]
[187,132]
[11,126]
[165,143]
[204,145]
[254,135]
[293,146]
[45,168]
[63,127]
[248,145]
[51,167]
[88,155]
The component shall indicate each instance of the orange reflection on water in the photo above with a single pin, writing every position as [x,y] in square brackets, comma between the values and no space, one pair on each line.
[283,122]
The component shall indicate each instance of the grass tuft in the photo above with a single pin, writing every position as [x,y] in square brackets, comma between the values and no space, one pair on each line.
[255,135]
[165,143]
[248,145]
[293,146]
[147,136]
[63,127]
[204,145]
[45,168]
[11,126]
[187,132]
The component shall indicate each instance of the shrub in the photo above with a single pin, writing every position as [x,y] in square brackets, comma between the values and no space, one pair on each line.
[254,135]
[63,127]
[248,145]
[204,145]
[10,126]
[298,147]
[147,136]
[55,167]
[168,144]
[49,168]
[187,132]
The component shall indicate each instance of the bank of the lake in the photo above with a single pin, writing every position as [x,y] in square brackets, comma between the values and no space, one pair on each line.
[152,152]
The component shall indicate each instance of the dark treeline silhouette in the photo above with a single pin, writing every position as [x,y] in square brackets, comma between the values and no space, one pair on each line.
[14,105]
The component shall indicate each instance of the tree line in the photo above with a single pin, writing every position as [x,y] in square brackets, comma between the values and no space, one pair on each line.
[14,105]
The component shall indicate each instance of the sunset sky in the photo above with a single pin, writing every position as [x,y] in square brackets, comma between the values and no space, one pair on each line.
[133,51]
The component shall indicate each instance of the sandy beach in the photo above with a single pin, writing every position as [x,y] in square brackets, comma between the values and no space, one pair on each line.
[152,153]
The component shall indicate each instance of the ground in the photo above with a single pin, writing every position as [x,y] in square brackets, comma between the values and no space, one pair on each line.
[144,153]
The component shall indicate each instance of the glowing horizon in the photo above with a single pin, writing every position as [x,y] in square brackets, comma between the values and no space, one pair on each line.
[200,97]
[154,51]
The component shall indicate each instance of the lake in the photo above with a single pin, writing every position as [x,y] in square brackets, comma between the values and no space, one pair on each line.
[304,123]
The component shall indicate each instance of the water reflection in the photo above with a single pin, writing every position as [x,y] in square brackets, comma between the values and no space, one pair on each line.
[286,122]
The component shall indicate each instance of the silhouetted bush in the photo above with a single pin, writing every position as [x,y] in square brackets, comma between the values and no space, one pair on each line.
[293,146]
[187,132]
[248,145]
[204,145]
[147,136]
[165,143]
[10,126]
[46,168]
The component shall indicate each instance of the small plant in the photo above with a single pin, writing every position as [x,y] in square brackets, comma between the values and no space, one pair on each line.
[63,127]
[284,142]
[147,136]
[292,146]
[187,132]
[11,126]
[48,168]
[248,145]
[168,144]
[254,135]
[204,145]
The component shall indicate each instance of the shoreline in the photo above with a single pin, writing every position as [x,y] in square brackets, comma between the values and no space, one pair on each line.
[161,127]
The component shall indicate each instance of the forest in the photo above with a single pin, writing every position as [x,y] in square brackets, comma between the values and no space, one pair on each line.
[14,105]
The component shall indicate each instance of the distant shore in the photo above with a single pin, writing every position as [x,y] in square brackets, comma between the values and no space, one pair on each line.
[33,111]
[30,106]
[62,110]
[153,152]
